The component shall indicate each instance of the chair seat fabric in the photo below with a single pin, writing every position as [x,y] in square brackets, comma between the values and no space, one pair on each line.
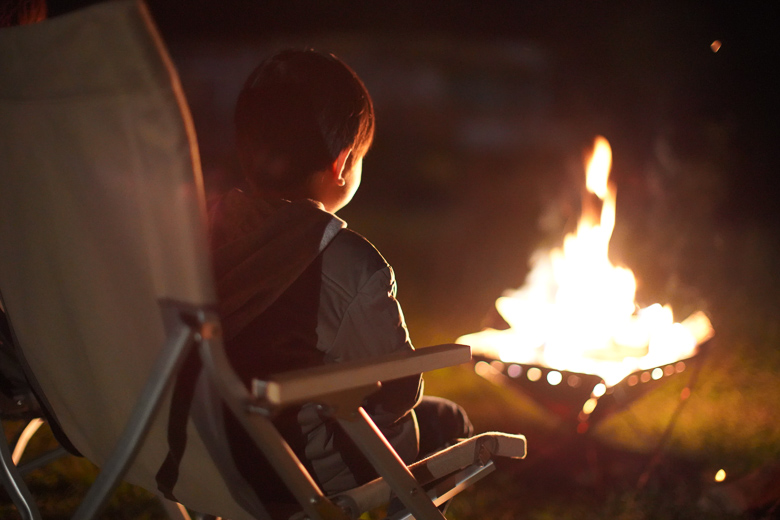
[101,220]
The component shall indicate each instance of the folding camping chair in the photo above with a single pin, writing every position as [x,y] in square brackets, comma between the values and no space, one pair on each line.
[106,282]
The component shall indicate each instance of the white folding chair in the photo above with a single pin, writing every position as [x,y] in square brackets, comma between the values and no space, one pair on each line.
[105,278]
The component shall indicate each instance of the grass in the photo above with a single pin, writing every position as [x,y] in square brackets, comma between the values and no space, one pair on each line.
[60,486]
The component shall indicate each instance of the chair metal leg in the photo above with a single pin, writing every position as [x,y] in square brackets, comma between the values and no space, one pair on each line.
[41,460]
[24,438]
[450,487]
[174,352]
[175,510]
[21,445]
[14,485]
[264,433]
[364,433]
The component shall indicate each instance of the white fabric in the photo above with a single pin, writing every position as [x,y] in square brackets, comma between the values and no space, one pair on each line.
[100,218]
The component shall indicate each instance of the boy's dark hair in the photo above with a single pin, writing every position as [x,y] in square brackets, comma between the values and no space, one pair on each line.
[297,111]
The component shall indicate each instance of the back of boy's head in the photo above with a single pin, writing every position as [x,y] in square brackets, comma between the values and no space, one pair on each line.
[297,111]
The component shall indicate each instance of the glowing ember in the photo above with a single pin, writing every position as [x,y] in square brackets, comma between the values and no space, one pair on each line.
[576,311]
[715,46]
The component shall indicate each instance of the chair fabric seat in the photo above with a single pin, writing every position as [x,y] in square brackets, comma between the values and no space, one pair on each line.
[101,221]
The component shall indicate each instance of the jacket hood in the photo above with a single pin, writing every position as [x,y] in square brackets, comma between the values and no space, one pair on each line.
[259,247]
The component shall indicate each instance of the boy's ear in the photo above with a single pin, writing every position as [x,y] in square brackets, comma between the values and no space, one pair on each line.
[339,164]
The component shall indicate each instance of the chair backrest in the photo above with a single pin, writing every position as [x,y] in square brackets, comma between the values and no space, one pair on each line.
[101,221]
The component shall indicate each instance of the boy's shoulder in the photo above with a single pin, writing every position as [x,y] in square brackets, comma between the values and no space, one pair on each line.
[351,257]
[354,247]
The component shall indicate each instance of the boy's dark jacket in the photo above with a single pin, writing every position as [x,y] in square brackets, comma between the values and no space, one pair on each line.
[296,289]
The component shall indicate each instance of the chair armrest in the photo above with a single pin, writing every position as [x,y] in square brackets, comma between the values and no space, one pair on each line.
[306,384]
[478,449]
[475,452]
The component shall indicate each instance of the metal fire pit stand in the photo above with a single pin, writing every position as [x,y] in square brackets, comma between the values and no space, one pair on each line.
[583,400]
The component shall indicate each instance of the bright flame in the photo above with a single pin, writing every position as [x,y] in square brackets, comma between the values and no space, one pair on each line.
[720,476]
[599,165]
[576,310]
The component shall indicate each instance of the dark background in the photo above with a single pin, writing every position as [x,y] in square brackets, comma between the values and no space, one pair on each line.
[630,69]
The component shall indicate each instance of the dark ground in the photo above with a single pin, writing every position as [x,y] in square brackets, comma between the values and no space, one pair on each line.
[484,111]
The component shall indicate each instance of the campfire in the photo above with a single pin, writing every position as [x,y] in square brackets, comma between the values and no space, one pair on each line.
[575,322]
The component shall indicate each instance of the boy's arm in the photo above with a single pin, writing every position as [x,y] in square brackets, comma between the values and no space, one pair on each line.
[374,325]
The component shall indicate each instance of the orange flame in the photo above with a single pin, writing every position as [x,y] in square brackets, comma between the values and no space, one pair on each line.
[599,166]
[576,310]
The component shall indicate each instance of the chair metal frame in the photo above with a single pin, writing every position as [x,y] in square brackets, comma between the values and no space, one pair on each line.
[11,477]
[347,383]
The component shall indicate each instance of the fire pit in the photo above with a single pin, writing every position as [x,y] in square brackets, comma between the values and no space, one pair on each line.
[579,399]
[576,341]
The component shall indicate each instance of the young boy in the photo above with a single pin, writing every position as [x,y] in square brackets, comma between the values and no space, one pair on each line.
[296,288]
